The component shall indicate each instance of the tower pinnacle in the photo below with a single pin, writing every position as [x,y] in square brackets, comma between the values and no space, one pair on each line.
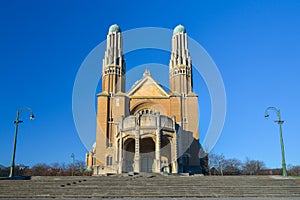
[180,63]
[114,67]
[147,72]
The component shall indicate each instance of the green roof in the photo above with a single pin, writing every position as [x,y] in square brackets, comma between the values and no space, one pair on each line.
[114,28]
[179,29]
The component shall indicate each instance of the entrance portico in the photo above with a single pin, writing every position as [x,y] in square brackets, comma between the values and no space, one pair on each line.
[147,143]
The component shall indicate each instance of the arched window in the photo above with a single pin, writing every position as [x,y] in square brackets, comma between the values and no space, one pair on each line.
[146,111]
[109,160]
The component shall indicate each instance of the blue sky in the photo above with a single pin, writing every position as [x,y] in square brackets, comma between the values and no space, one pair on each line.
[255,45]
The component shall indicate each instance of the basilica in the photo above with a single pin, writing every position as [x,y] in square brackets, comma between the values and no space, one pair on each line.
[146,129]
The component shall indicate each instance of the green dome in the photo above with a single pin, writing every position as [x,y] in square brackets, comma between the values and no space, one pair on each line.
[114,28]
[179,29]
[89,169]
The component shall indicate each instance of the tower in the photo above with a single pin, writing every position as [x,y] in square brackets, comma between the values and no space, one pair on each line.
[181,81]
[183,101]
[112,101]
[114,67]
[180,64]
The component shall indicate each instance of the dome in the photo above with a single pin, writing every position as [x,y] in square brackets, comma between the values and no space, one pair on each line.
[89,169]
[179,29]
[114,28]
[94,146]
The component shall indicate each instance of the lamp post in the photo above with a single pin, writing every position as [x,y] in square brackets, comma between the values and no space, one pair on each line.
[16,122]
[221,159]
[73,163]
[280,122]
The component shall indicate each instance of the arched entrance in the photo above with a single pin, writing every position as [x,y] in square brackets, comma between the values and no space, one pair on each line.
[147,153]
[129,150]
[166,155]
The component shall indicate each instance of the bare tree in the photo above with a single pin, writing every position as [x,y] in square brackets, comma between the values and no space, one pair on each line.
[79,167]
[40,169]
[232,166]
[294,170]
[56,169]
[253,167]
[216,163]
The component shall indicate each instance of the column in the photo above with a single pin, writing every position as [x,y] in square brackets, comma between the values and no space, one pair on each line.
[158,143]
[116,146]
[179,138]
[137,154]
[120,154]
[174,155]
[90,159]
[137,146]
[174,148]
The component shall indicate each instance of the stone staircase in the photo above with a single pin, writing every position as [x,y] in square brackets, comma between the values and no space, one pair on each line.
[152,186]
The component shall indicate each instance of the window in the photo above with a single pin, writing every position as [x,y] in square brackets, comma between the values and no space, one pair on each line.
[110,119]
[146,111]
[108,143]
[108,160]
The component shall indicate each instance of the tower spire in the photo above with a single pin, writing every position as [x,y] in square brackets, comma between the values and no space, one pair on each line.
[114,66]
[147,72]
[180,63]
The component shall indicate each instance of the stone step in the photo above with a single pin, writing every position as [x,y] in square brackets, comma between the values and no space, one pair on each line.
[155,187]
